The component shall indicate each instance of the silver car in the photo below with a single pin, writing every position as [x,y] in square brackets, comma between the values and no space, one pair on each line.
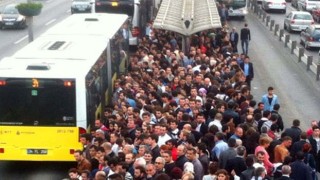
[277,5]
[310,37]
[297,21]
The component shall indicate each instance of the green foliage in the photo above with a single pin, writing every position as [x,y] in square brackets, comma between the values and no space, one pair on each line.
[29,6]
[29,9]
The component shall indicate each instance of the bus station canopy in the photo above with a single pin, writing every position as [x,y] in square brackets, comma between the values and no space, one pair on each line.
[187,16]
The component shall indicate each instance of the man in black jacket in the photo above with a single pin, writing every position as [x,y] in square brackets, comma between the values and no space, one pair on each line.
[237,163]
[245,37]
[234,38]
[247,68]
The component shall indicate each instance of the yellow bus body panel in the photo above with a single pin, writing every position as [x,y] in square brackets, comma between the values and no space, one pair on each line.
[26,143]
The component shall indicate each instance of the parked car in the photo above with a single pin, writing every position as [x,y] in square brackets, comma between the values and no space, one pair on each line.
[81,6]
[10,18]
[279,5]
[297,21]
[310,37]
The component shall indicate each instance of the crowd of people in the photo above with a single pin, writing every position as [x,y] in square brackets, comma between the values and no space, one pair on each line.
[192,115]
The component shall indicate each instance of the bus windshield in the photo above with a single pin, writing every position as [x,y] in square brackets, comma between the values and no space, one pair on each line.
[37,102]
[235,4]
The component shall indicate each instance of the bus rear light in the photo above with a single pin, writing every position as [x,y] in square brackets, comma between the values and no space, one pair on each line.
[67,83]
[3,82]
[1,150]
[71,151]
[135,32]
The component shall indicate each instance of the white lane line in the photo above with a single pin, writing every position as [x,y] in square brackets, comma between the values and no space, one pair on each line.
[20,40]
[53,20]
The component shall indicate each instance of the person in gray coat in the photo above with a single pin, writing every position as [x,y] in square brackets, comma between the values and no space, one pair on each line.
[198,168]
[227,154]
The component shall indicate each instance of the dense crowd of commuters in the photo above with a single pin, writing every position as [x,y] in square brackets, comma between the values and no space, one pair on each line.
[191,115]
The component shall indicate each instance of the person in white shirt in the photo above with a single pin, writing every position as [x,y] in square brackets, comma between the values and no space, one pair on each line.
[217,121]
[163,136]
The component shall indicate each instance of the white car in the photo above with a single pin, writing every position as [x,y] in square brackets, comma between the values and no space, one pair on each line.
[298,21]
[277,5]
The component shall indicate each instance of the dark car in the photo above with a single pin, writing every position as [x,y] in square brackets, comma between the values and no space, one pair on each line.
[310,37]
[81,6]
[10,18]
[115,6]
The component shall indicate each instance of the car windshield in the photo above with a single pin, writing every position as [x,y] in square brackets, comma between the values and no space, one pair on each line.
[302,16]
[10,10]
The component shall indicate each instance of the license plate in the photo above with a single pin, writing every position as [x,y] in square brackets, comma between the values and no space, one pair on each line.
[37,151]
[9,23]
[81,9]
[114,4]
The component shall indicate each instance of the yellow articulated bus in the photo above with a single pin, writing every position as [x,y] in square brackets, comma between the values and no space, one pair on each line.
[52,90]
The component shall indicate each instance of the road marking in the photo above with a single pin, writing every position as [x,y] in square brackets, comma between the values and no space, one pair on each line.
[20,40]
[53,20]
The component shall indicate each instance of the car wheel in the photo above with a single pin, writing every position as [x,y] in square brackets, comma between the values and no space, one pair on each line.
[23,26]
[284,26]
[289,29]
[284,11]
[306,46]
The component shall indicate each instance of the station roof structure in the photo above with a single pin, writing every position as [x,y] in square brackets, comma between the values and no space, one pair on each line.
[187,16]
